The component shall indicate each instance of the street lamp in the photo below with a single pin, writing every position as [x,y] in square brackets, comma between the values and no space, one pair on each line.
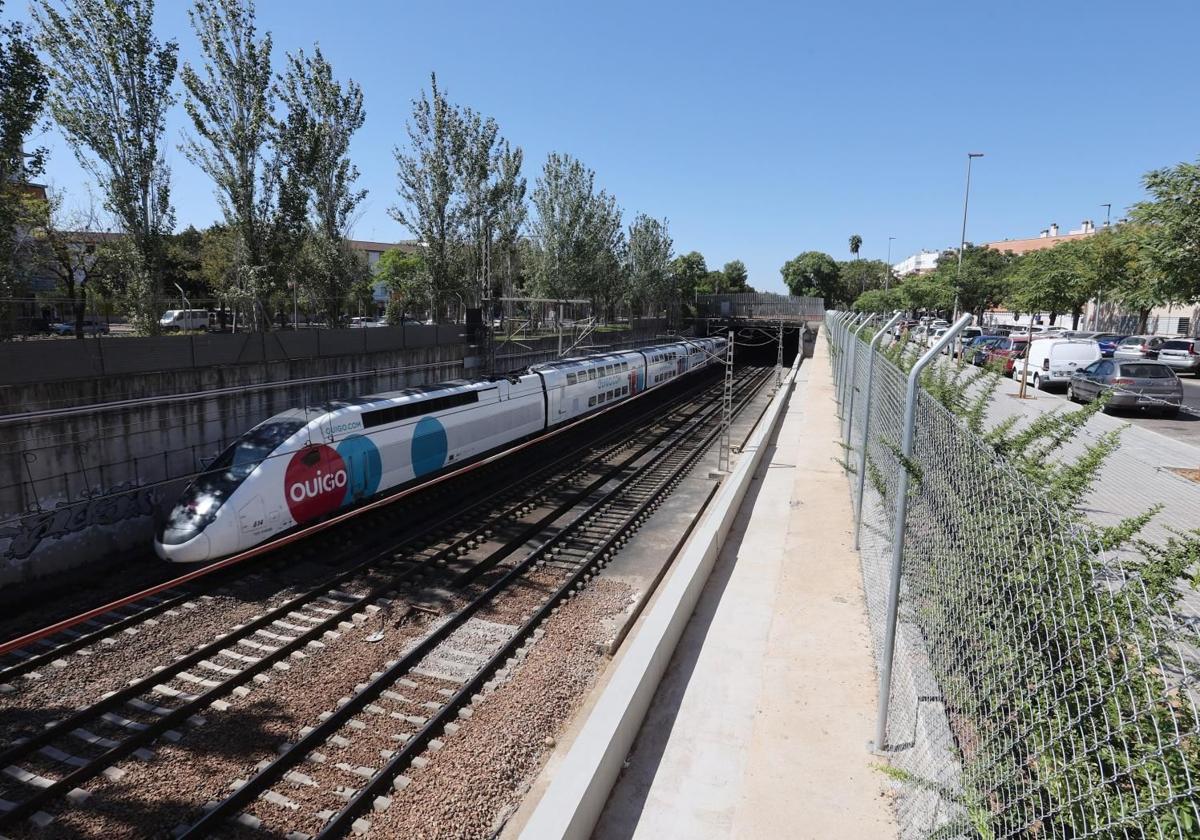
[887,277]
[962,242]
[1099,294]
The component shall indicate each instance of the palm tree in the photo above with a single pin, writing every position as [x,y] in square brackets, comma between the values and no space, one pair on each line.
[855,245]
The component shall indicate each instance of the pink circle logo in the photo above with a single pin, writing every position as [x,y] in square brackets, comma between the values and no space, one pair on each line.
[314,483]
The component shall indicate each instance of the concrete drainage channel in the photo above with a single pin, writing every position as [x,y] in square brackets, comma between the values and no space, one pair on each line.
[575,797]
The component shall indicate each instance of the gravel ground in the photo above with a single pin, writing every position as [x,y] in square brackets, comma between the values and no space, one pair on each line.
[85,677]
[155,796]
[478,778]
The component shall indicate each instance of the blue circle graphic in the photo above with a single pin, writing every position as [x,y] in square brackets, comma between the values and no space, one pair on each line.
[364,467]
[429,446]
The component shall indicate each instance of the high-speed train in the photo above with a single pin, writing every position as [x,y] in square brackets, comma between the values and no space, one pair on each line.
[299,467]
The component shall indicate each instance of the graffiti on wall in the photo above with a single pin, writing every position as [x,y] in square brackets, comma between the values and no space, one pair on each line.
[117,504]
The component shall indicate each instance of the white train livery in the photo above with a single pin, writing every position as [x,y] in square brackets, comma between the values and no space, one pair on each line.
[298,468]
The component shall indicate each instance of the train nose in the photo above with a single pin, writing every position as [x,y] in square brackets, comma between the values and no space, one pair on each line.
[194,550]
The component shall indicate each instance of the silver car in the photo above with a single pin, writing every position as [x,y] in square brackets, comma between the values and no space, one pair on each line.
[1134,385]
[1139,347]
[1181,355]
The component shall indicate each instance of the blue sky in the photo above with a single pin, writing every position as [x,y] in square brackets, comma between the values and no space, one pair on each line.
[764,129]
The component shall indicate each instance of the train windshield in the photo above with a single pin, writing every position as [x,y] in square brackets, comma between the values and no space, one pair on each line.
[205,495]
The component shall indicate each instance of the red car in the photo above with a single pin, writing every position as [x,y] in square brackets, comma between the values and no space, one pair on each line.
[1007,353]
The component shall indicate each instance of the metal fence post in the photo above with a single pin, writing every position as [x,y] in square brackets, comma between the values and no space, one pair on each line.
[853,376]
[906,446]
[862,454]
[842,363]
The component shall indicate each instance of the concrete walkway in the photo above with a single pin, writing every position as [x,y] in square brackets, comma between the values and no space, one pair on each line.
[759,728]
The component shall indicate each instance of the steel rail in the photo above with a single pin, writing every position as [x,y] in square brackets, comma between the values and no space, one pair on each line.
[249,791]
[137,739]
[307,531]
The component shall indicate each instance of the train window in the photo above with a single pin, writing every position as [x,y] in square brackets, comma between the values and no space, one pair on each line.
[383,416]
[571,379]
[591,401]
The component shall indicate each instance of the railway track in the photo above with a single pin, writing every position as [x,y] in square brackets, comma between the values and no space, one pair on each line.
[436,588]
[46,647]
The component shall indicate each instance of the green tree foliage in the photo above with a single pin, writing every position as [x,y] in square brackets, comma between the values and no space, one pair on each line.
[405,277]
[649,264]
[111,90]
[983,284]
[688,273]
[855,245]
[858,276]
[814,274]
[427,184]
[23,89]
[575,233]
[314,141]
[230,101]
[879,300]
[1055,280]
[931,292]
[736,278]
[1170,223]
[461,194]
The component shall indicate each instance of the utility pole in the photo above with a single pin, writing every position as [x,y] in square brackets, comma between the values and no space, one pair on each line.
[1099,293]
[726,409]
[962,242]
[779,358]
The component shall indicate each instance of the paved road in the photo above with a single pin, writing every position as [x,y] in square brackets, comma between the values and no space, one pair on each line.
[1185,427]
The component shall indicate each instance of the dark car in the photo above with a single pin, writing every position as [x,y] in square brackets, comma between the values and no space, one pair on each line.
[975,351]
[88,327]
[1108,341]
[1133,384]
[1004,354]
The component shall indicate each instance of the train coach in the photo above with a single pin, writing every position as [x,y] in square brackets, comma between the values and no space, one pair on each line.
[301,467]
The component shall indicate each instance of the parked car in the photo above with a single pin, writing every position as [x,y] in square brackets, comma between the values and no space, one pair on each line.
[362,321]
[1134,385]
[184,319]
[1181,355]
[90,327]
[976,350]
[964,338]
[1004,354]
[1139,347]
[1053,361]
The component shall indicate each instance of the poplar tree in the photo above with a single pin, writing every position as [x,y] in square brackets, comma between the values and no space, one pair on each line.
[230,101]
[314,143]
[23,89]
[111,90]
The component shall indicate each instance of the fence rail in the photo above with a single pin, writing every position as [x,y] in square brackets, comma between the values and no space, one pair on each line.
[1042,684]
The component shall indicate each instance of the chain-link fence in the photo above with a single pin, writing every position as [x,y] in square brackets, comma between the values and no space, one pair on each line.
[1041,683]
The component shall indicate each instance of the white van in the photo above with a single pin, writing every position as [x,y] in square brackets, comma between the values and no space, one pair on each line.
[1052,361]
[184,319]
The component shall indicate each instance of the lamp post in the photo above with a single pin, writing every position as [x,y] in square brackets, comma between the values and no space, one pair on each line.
[1099,294]
[887,277]
[962,242]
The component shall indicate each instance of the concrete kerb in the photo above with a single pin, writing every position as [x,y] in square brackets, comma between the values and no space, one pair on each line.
[581,785]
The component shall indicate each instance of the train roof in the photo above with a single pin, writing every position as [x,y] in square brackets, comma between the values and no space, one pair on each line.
[410,391]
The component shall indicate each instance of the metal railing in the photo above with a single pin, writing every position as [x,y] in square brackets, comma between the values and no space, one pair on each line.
[1036,682]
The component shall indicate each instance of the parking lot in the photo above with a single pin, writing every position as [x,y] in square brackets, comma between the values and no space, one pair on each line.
[1185,427]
